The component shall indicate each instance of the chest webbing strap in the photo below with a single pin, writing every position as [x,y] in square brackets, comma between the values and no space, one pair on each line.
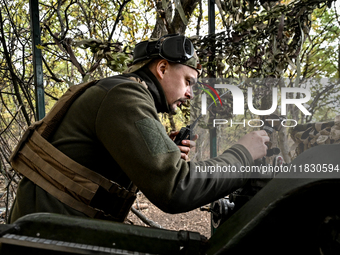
[62,177]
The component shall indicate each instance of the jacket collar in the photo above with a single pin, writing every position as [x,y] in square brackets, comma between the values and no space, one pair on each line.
[154,87]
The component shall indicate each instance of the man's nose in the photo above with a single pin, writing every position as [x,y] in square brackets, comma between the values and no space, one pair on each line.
[189,93]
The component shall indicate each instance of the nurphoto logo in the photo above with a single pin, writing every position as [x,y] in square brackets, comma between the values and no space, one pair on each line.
[238,100]
[238,104]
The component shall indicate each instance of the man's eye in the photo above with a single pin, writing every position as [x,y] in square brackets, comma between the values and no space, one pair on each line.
[191,82]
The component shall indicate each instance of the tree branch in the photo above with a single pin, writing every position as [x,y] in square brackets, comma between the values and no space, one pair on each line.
[121,7]
[10,123]
[54,77]
[199,19]
[9,64]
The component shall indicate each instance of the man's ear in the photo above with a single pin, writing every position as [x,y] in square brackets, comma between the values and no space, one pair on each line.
[161,68]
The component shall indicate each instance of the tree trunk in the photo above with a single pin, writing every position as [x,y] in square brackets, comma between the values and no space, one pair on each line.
[339,60]
[165,24]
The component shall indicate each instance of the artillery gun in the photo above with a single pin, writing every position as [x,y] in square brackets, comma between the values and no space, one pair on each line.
[288,216]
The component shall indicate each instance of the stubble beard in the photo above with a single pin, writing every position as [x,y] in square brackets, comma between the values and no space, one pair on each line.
[172,109]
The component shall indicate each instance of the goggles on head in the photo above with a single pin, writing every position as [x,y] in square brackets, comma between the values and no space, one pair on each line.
[174,48]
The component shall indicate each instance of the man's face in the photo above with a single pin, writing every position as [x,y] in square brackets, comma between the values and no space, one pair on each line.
[177,84]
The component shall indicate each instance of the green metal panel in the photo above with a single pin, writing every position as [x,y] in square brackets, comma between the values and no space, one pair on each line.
[37,59]
[211,16]
[65,233]
[211,21]
[288,216]
[212,130]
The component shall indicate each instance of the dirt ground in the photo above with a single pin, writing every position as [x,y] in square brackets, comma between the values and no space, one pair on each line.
[196,220]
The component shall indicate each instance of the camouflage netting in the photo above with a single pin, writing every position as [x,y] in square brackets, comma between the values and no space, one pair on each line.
[309,135]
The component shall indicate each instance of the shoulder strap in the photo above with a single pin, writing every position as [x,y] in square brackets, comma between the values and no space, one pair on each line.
[59,175]
[47,125]
[59,110]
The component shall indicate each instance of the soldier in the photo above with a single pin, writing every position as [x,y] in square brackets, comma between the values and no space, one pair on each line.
[110,143]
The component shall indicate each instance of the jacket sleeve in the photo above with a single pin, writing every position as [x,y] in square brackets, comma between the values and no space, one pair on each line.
[127,125]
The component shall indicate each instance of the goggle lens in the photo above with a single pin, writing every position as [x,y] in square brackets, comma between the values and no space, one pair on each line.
[175,48]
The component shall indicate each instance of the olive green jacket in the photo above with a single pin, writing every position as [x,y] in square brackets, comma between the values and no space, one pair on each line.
[114,129]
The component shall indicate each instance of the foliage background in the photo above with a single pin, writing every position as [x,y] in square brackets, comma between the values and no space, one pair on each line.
[84,40]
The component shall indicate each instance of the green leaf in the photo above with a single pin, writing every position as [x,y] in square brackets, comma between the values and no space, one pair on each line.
[40,47]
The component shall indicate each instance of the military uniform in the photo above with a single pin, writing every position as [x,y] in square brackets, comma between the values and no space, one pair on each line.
[113,129]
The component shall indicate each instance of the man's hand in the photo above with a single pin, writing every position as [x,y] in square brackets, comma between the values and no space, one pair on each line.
[187,144]
[255,142]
